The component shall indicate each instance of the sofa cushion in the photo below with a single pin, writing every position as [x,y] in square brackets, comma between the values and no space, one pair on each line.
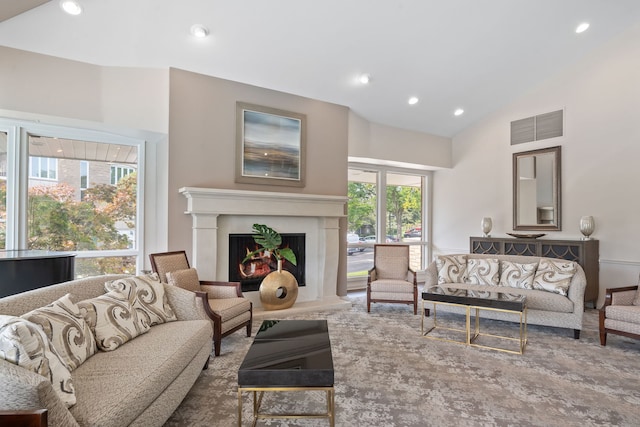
[483,271]
[451,268]
[517,275]
[66,329]
[112,319]
[185,279]
[25,344]
[146,295]
[114,388]
[623,313]
[536,300]
[554,275]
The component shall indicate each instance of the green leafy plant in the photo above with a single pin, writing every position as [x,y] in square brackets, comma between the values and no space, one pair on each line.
[270,241]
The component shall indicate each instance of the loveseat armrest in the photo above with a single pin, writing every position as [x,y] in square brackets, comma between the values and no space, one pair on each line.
[620,296]
[184,303]
[23,390]
[221,289]
[26,418]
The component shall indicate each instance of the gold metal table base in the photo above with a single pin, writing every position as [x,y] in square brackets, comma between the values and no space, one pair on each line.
[257,401]
[471,338]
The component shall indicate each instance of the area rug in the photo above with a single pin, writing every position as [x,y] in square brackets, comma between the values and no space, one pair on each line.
[386,374]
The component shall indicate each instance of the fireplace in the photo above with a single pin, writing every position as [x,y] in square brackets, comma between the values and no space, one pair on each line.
[251,272]
[218,213]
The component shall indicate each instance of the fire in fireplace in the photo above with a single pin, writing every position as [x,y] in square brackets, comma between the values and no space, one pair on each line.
[251,272]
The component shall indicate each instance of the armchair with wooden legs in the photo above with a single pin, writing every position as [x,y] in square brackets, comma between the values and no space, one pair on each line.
[391,280]
[223,302]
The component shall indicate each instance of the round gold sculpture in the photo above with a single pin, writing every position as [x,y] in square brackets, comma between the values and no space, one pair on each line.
[278,290]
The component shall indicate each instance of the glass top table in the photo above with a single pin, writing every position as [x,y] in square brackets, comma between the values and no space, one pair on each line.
[516,305]
[288,355]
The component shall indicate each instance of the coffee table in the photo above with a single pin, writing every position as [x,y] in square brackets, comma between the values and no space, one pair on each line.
[288,355]
[517,306]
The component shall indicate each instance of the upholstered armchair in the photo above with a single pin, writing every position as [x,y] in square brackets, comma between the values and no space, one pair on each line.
[620,313]
[223,302]
[391,280]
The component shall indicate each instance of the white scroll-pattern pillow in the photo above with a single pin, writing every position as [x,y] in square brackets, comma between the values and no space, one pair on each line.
[146,295]
[483,271]
[451,268]
[25,344]
[66,329]
[554,275]
[516,275]
[112,319]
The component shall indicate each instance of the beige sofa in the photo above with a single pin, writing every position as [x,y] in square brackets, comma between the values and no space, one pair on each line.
[543,307]
[140,383]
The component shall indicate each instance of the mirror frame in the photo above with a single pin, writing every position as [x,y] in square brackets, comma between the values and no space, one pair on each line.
[557,225]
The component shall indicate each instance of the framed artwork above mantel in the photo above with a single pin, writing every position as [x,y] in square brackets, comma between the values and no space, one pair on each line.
[270,146]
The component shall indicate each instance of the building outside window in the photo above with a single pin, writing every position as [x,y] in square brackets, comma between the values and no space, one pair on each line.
[43,168]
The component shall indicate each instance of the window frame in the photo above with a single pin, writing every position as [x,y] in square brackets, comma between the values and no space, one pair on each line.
[381,209]
[18,132]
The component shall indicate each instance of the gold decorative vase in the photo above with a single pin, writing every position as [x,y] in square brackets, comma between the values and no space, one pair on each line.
[279,290]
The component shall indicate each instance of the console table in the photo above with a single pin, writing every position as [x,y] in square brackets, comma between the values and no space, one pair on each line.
[584,252]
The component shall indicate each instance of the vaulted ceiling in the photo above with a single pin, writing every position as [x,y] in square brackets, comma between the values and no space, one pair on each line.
[475,55]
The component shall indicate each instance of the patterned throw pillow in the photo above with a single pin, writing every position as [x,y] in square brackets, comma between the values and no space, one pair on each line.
[185,279]
[554,275]
[66,329]
[112,319]
[25,344]
[483,271]
[516,275]
[146,295]
[451,268]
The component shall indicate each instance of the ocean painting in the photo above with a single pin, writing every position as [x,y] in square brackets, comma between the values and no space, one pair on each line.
[271,146]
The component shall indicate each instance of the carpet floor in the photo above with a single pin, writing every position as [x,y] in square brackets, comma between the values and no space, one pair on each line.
[386,374]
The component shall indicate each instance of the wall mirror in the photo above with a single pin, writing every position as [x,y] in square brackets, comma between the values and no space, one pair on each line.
[536,190]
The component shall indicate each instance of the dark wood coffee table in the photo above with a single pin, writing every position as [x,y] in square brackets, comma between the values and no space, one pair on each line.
[473,306]
[288,355]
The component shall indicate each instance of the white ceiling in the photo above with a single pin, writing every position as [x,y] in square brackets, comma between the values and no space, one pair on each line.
[473,54]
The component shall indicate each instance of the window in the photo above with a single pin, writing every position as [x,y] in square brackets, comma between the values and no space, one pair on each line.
[75,190]
[3,189]
[399,219]
[119,172]
[43,167]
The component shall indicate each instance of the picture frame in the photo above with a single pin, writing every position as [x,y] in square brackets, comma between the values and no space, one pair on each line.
[270,146]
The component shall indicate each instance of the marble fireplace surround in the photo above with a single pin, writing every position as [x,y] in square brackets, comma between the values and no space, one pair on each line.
[216,213]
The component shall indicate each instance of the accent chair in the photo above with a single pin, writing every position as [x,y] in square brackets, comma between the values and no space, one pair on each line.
[223,302]
[620,313]
[391,280]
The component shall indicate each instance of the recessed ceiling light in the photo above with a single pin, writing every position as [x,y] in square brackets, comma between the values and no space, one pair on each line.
[365,79]
[71,7]
[458,112]
[582,27]
[413,100]
[199,31]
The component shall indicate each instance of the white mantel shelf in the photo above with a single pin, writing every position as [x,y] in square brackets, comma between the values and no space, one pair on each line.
[240,202]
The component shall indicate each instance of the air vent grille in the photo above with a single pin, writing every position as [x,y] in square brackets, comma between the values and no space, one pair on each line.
[543,126]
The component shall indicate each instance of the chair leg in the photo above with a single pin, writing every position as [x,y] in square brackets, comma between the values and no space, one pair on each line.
[206,364]
[603,337]
[216,346]
[217,338]
[576,334]
[249,329]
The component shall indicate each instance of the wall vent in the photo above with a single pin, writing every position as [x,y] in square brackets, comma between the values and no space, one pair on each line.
[543,126]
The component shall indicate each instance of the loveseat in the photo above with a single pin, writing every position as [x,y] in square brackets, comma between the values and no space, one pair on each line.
[547,307]
[140,383]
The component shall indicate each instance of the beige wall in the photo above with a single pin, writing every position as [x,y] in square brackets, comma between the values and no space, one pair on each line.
[600,152]
[375,142]
[132,98]
[202,141]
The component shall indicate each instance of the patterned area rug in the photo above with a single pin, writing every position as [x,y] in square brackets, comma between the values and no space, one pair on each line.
[386,374]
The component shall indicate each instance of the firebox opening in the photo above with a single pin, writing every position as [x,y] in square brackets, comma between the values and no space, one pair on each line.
[251,272]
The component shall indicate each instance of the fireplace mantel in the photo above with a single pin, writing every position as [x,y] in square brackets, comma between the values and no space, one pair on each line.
[216,213]
[264,203]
